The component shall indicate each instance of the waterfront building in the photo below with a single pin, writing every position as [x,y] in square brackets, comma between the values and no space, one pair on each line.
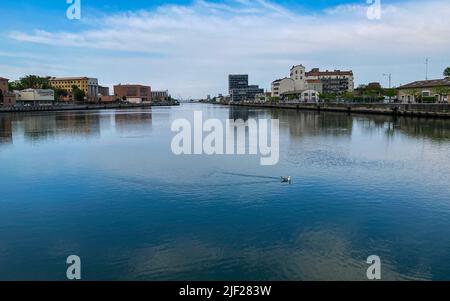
[281,86]
[88,85]
[315,84]
[240,90]
[308,95]
[133,93]
[6,98]
[330,82]
[35,97]
[160,95]
[103,91]
[298,75]
[334,82]
[437,90]
[237,82]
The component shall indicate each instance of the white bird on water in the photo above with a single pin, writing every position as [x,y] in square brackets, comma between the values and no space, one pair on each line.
[287,179]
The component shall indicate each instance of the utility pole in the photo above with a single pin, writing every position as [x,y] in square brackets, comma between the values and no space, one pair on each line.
[426,72]
[390,78]
[390,83]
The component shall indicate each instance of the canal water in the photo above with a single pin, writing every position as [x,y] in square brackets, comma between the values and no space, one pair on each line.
[105,185]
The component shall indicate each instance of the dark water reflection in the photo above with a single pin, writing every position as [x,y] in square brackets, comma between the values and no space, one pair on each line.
[104,185]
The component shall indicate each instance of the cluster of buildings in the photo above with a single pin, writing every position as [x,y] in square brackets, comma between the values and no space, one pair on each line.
[300,85]
[239,88]
[310,86]
[94,93]
[307,86]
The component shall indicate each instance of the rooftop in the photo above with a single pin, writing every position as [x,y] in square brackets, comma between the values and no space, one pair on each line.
[316,72]
[279,80]
[427,83]
[69,78]
[297,66]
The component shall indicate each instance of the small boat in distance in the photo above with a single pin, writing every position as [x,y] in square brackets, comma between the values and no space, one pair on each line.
[287,179]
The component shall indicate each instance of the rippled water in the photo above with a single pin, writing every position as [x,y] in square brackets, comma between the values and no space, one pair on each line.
[105,185]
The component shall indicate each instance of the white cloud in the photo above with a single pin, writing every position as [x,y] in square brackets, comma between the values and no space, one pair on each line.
[192,48]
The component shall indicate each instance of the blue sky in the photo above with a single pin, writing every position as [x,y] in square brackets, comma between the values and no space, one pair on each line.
[189,47]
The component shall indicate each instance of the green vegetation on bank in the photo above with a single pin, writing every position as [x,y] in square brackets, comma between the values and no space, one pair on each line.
[37,82]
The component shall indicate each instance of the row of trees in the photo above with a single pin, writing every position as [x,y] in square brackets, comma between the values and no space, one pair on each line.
[37,82]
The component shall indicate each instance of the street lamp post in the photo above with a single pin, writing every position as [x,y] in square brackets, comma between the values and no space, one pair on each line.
[390,83]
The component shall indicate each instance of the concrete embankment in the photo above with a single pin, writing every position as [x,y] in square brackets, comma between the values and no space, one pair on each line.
[416,110]
[80,107]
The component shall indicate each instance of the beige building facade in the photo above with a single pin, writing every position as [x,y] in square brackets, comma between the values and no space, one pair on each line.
[88,85]
[425,91]
[298,75]
[281,86]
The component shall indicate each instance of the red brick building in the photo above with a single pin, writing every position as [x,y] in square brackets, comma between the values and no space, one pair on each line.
[6,98]
[133,93]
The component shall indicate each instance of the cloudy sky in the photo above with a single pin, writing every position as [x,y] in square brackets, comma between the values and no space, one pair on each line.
[189,47]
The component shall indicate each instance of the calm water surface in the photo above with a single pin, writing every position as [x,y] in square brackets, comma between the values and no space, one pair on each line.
[105,185]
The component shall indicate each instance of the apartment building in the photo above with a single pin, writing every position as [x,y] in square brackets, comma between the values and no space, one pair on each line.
[333,82]
[88,85]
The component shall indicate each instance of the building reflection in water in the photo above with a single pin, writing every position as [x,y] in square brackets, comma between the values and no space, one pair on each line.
[61,124]
[312,123]
[433,129]
[43,126]
[6,133]
[54,125]
[298,124]
[133,121]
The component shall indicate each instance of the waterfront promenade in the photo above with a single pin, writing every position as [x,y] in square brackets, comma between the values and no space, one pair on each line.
[81,107]
[397,109]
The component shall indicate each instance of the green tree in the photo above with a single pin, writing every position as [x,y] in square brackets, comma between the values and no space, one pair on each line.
[348,96]
[391,93]
[275,99]
[33,82]
[327,96]
[59,93]
[415,95]
[78,94]
[447,72]
[442,92]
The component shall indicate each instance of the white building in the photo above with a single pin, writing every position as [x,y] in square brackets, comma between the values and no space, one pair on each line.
[35,96]
[293,85]
[310,96]
[281,86]
[298,75]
